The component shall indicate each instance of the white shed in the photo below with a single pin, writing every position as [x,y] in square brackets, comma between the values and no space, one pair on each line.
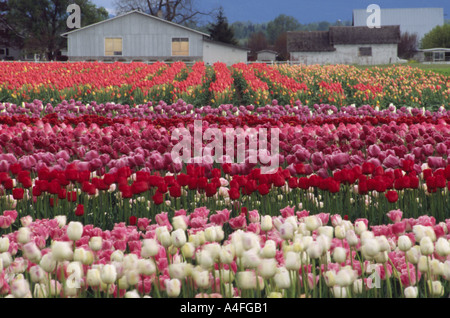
[229,54]
[345,45]
[266,55]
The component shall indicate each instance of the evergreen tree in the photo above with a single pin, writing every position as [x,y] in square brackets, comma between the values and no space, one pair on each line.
[220,30]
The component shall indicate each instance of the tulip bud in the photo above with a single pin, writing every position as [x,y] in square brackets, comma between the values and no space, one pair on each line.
[246,280]
[178,222]
[173,287]
[132,277]
[201,277]
[61,219]
[423,264]
[23,235]
[435,287]
[146,266]
[74,230]
[340,232]
[83,256]
[370,248]
[446,270]
[108,274]
[204,259]
[93,277]
[178,238]
[95,243]
[250,259]
[4,244]
[442,247]
[282,278]
[117,256]
[210,234]
[267,268]
[413,254]
[269,250]
[226,255]
[351,238]
[345,277]
[314,250]
[382,257]
[32,252]
[37,274]
[312,222]
[130,261]
[292,261]
[404,243]
[426,246]
[339,254]
[132,294]
[188,250]
[48,263]
[286,231]
[178,271]
[150,247]
[360,227]
[20,288]
[411,292]
[62,251]
[326,230]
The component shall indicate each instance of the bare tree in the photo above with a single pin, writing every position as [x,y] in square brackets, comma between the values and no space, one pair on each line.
[178,11]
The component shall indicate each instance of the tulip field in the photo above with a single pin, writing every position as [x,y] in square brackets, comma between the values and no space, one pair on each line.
[93,203]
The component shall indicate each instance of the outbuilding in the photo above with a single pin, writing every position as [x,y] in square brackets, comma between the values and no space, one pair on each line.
[345,45]
[137,36]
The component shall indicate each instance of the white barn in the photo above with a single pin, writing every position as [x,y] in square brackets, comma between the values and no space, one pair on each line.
[412,20]
[345,45]
[137,36]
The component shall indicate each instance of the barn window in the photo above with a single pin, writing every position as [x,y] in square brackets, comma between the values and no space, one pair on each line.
[2,52]
[180,46]
[365,51]
[113,46]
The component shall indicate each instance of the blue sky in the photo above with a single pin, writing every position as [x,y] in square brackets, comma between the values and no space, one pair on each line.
[305,11]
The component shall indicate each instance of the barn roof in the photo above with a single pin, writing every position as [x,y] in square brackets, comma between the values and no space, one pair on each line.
[132,12]
[323,41]
[365,35]
[309,41]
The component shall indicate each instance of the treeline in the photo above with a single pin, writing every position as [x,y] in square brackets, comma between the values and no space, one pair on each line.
[271,35]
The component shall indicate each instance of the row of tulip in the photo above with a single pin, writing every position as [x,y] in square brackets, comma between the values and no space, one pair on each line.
[295,254]
[257,84]
[181,109]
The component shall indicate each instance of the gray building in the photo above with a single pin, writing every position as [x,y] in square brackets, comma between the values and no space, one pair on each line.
[137,36]
[345,45]
[266,55]
[411,20]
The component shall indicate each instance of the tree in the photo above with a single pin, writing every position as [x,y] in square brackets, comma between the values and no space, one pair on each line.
[257,42]
[438,37]
[281,47]
[178,11]
[40,23]
[408,45]
[280,24]
[220,30]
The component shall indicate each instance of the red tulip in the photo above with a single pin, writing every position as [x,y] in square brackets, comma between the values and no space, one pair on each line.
[392,196]
[18,193]
[79,210]
[158,198]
